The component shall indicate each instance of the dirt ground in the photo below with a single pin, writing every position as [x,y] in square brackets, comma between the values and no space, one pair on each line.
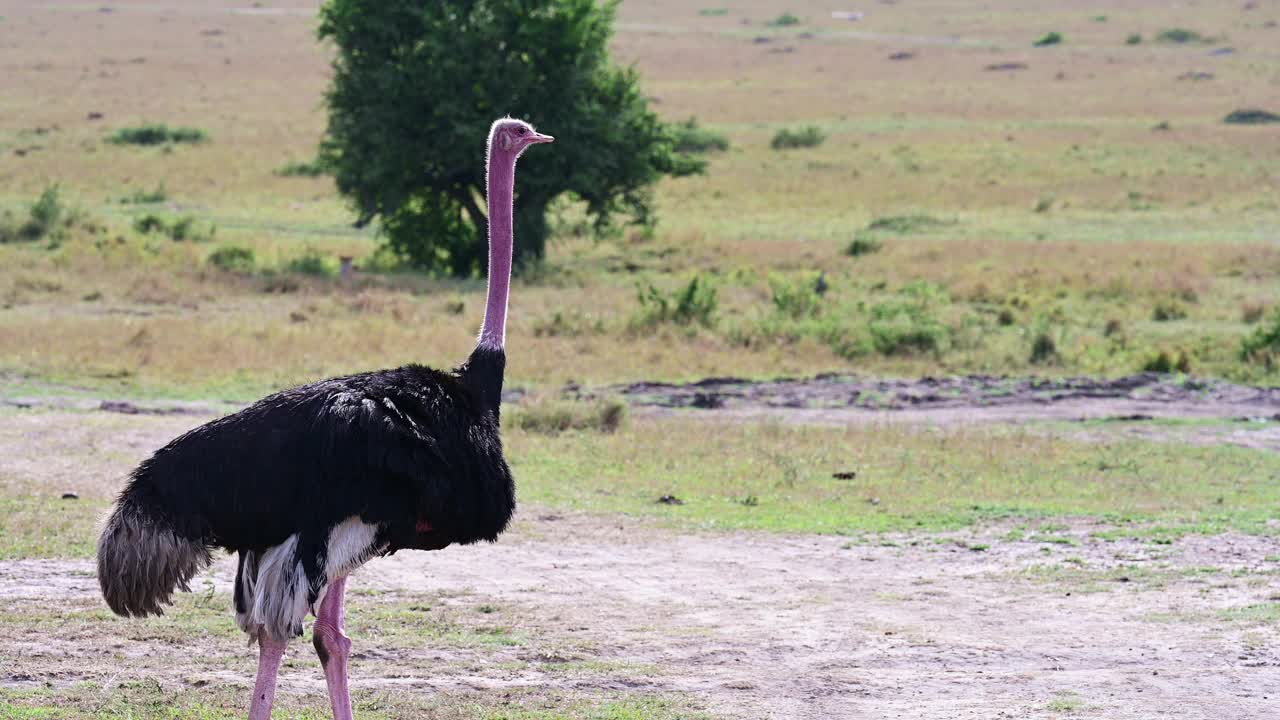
[760,626]
[754,625]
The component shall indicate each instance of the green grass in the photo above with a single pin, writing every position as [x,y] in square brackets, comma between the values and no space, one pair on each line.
[922,480]
[152,701]
[779,478]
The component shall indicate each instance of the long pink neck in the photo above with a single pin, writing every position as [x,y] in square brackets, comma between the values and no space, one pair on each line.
[501,187]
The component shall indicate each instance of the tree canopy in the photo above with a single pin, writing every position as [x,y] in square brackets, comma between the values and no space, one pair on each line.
[416,86]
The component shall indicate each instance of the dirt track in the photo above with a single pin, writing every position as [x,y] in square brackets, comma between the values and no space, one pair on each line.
[759,626]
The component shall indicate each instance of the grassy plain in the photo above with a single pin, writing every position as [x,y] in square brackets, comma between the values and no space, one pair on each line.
[1087,200]
[1095,198]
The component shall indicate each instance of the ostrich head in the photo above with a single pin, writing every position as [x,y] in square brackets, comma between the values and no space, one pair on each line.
[511,136]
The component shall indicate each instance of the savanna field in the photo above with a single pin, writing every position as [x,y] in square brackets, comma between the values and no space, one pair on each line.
[936,190]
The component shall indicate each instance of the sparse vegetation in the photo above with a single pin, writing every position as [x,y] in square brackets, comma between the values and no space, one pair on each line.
[1182,36]
[1251,116]
[146,197]
[786,19]
[47,218]
[157,134]
[177,229]
[1167,362]
[233,258]
[1262,346]
[690,137]
[312,263]
[302,168]
[863,243]
[805,137]
[696,302]
[1051,38]
[555,416]
[1133,39]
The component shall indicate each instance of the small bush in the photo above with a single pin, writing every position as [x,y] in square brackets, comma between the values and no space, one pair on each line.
[787,139]
[1262,346]
[552,417]
[795,298]
[1181,36]
[1167,311]
[312,168]
[1251,116]
[907,325]
[1006,318]
[1044,350]
[233,258]
[690,137]
[47,217]
[311,263]
[1166,362]
[1133,39]
[177,229]
[713,12]
[1113,328]
[146,197]
[157,134]
[786,19]
[696,302]
[863,244]
[1052,38]
[905,224]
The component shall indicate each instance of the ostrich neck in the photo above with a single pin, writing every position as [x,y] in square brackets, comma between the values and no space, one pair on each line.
[500,190]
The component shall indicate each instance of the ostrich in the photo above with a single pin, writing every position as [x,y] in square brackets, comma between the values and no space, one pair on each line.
[308,484]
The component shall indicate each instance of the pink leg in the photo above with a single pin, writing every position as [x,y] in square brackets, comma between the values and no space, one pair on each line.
[270,653]
[333,647]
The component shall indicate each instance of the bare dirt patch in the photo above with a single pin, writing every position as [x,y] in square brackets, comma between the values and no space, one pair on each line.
[756,626]
[847,399]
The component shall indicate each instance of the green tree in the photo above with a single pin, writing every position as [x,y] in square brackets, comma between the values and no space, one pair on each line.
[417,84]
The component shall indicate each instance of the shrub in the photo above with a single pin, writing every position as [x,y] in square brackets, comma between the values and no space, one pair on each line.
[1251,116]
[787,139]
[1165,362]
[1262,346]
[309,168]
[1181,36]
[1168,310]
[696,302]
[1133,39]
[713,12]
[863,243]
[690,137]
[795,299]
[157,134]
[48,216]
[907,325]
[786,19]
[233,258]
[1052,38]
[1043,349]
[146,197]
[178,229]
[552,417]
[312,263]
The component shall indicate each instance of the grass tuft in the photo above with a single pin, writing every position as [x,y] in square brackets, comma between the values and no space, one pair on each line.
[805,137]
[157,134]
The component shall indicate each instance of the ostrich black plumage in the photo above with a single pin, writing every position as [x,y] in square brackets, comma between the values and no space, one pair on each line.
[308,484]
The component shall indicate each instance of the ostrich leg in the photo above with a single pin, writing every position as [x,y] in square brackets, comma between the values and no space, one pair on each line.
[270,653]
[333,646]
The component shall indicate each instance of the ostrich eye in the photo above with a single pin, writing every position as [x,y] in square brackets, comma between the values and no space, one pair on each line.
[523,131]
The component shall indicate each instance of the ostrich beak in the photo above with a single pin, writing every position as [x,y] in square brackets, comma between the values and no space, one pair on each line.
[539,138]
